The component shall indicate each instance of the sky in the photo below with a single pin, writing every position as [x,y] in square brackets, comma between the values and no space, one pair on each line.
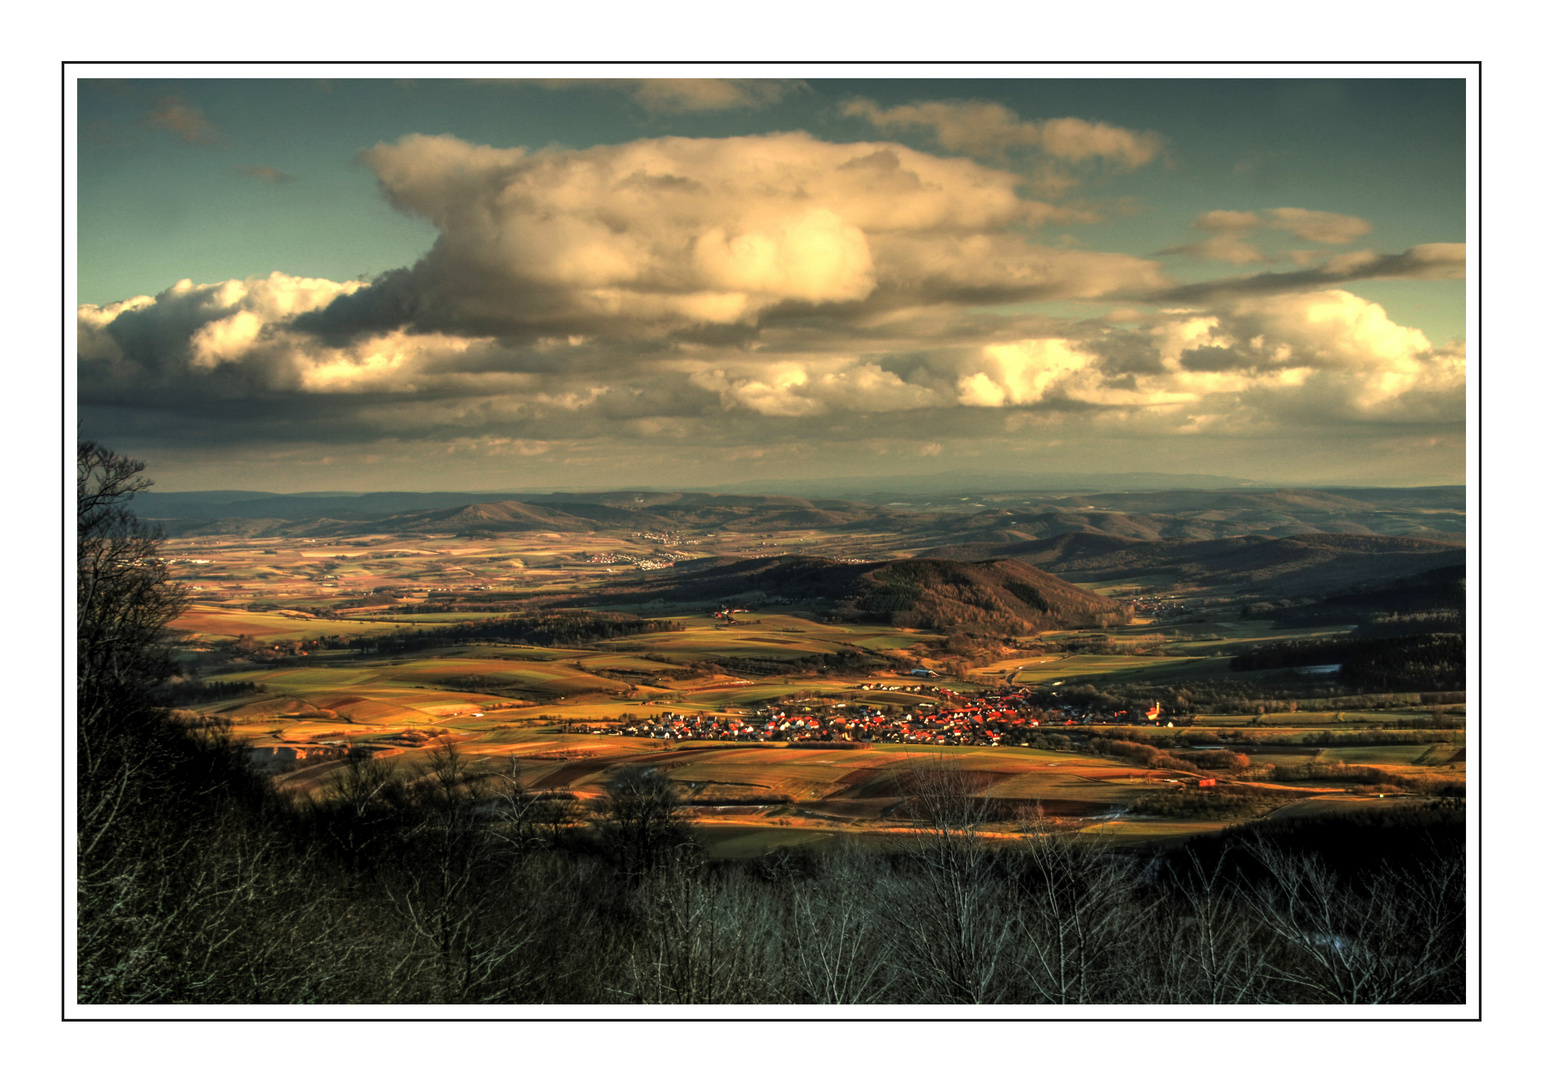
[528,284]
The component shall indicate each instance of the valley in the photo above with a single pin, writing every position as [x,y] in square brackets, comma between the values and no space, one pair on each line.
[788,663]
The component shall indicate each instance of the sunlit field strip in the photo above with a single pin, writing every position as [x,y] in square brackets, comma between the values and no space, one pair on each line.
[1035,670]
[222,624]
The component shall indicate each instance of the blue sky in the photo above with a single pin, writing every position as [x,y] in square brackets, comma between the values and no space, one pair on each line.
[384,283]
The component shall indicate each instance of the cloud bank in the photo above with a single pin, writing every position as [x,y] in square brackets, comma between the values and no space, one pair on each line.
[661,96]
[772,293]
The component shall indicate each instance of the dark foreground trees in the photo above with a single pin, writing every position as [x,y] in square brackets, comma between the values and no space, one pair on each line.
[444,897]
[179,870]
[196,884]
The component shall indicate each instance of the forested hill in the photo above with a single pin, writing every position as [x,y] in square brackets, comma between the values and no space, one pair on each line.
[1256,565]
[1000,597]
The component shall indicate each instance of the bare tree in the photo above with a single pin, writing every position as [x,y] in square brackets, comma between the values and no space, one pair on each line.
[124,604]
[1077,918]
[1211,956]
[1391,936]
[527,820]
[840,935]
[640,814]
[454,880]
[957,921]
[124,598]
[706,937]
[358,804]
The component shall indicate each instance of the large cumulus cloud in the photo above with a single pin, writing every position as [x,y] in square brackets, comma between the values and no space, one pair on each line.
[659,235]
[236,335]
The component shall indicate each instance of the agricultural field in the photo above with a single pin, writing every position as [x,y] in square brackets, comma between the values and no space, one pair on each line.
[1058,669]
[290,625]
[214,622]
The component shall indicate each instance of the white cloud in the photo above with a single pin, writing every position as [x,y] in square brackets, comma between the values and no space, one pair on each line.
[205,326]
[1007,265]
[1434,262]
[1334,328]
[1322,355]
[1230,227]
[812,387]
[811,256]
[707,95]
[394,363]
[987,129]
[982,128]
[775,291]
[1075,140]
[93,340]
[1023,372]
[225,339]
[1321,358]
[1316,226]
[981,390]
[1227,247]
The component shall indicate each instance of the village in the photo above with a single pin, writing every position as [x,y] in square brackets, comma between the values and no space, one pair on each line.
[1159,607]
[983,718]
[641,562]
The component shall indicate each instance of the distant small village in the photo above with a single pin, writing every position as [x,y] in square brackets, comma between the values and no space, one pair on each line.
[1159,607]
[641,562]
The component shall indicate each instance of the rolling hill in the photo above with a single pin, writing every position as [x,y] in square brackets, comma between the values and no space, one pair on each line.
[999,598]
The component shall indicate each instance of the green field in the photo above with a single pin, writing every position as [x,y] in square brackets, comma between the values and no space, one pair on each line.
[1387,755]
[1040,670]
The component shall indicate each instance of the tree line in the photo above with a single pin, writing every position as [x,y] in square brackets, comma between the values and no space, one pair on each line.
[1280,694]
[1408,662]
[558,629]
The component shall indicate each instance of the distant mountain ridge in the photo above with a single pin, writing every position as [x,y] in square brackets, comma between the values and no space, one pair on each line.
[959,481]
[1436,513]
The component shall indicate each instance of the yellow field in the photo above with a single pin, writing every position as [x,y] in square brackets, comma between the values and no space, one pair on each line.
[218,622]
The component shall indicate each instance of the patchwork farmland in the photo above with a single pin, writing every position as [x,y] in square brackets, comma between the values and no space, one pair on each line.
[774,724]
